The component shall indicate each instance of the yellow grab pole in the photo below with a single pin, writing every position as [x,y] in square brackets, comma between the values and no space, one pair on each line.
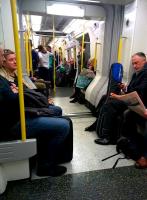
[29,45]
[27,53]
[54,55]
[75,57]
[63,53]
[119,58]
[30,58]
[19,69]
[82,53]
[95,56]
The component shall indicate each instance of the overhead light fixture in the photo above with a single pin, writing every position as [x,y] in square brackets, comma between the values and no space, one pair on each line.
[36,22]
[65,10]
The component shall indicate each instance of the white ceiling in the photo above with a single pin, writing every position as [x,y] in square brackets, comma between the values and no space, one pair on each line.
[120,2]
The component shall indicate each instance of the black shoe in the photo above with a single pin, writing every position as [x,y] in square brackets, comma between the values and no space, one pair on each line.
[91,128]
[103,141]
[73,101]
[72,96]
[51,171]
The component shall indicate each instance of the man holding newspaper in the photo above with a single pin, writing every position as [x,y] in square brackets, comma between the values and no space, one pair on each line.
[116,106]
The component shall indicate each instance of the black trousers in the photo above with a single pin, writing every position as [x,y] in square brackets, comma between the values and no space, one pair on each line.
[135,129]
[43,73]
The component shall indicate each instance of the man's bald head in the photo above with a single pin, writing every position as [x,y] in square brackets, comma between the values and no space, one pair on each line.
[138,61]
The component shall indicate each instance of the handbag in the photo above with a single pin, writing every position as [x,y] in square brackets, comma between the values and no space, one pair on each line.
[83,81]
[34,99]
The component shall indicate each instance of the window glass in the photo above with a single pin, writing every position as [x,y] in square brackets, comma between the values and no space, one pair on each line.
[1,29]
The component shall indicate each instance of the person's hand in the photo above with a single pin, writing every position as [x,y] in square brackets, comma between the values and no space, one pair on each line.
[50,101]
[14,88]
[33,78]
[115,96]
[122,86]
[145,114]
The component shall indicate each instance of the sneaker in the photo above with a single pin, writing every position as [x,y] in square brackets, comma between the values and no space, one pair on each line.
[53,171]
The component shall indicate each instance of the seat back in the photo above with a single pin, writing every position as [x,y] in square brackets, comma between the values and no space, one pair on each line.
[115,77]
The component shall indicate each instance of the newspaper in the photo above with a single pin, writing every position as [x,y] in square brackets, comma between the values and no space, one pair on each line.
[133,102]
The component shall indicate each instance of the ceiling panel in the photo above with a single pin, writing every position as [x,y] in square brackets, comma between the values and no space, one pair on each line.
[120,2]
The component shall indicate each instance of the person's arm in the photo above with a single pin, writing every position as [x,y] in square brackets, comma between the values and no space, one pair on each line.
[8,91]
[40,59]
[141,84]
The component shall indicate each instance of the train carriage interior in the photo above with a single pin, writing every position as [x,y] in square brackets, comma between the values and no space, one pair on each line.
[109,31]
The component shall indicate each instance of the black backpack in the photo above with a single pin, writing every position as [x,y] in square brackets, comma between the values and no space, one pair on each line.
[128,148]
[115,77]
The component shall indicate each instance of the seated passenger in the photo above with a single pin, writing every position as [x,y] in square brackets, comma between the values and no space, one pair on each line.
[134,128]
[114,107]
[83,80]
[8,71]
[50,132]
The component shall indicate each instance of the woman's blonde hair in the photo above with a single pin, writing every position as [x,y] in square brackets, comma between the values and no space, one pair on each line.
[8,52]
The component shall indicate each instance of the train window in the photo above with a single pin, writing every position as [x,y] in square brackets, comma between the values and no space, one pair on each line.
[1,30]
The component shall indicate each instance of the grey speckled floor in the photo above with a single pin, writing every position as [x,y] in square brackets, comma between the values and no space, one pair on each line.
[87,178]
[126,183]
[87,155]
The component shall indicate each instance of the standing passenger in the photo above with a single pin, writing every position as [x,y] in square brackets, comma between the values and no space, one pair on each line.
[51,65]
[43,63]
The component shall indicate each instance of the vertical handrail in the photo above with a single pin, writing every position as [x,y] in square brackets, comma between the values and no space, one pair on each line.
[82,53]
[119,58]
[75,57]
[54,55]
[30,58]
[95,56]
[27,53]
[29,44]
[29,48]
[19,69]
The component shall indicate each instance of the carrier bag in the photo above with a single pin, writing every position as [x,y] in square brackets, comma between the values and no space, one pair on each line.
[83,81]
[35,99]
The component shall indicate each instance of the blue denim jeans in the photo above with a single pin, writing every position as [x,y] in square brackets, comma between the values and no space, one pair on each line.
[50,132]
[56,110]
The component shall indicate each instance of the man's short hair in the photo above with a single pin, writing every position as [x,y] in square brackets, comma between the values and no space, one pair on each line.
[49,46]
[40,47]
[140,54]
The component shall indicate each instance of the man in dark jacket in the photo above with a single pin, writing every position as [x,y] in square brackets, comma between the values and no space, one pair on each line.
[114,107]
